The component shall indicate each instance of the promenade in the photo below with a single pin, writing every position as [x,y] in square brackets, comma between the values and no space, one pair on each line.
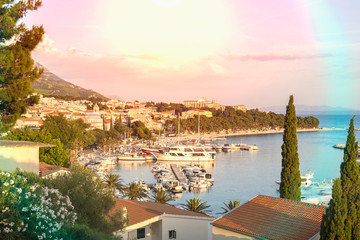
[214,136]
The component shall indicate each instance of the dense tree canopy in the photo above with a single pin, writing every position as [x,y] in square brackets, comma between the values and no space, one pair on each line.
[17,69]
[237,120]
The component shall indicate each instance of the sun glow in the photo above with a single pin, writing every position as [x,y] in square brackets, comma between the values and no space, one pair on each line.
[172,29]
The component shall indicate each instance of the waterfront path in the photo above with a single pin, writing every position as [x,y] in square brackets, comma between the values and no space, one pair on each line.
[215,136]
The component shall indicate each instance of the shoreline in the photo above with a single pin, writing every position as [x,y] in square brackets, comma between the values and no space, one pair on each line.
[216,136]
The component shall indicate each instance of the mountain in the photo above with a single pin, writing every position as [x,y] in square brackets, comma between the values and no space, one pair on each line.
[313,110]
[50,84]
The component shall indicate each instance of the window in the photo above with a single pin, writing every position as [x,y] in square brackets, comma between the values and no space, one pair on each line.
[172,234]
[141,233]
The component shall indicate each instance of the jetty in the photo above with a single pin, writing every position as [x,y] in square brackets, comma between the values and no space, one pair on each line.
[179,175]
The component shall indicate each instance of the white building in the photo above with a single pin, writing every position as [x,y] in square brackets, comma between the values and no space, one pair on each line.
[20,154]
[156,221]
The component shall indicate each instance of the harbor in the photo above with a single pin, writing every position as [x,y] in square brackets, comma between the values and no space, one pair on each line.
[242,174]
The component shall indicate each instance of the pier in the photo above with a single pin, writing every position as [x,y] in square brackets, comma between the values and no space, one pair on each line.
[180,176]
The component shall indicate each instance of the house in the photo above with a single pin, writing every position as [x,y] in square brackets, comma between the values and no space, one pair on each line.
[51,171]
[28,122]
[196,112]
[265,217]
[156,221]
[20,154]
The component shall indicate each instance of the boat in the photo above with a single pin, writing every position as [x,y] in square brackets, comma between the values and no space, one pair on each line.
[138,157]
[227,148]
[305,179]
[187,153]
[218,148]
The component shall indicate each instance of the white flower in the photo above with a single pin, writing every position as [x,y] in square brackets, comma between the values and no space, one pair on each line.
[11,181]
[19,190]
[6,184]
[7,174]
[11,224]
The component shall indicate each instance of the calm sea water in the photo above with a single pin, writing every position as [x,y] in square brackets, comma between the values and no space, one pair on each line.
[241,175]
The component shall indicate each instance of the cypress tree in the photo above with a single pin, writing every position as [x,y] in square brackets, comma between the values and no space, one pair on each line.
[350,182]
[347,198]
[290,174]
[333,222]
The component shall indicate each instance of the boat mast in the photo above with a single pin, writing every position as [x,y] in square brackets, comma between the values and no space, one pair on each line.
[198,128]
[178,128]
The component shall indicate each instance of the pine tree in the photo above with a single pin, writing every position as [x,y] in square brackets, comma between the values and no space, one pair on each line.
[333,222]
[290,174]
[17,69]
[350,182]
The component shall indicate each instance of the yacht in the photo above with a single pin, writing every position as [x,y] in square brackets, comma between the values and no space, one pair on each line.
[305,179]
[131,157]
[186,153]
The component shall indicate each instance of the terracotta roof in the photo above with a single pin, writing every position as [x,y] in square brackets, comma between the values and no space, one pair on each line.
[139,211]
[46,169]
[274,218]
[107,120]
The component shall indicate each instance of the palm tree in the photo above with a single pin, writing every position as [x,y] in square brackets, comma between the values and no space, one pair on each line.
[134,192]
[113,181]
[161,196]
[230,206]
[196,205]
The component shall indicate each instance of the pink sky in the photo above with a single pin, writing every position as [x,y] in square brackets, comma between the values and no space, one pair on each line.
[255,52]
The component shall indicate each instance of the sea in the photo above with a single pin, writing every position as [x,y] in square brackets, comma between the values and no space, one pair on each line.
[241,175]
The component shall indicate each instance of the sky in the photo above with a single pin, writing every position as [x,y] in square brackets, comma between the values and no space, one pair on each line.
[254,52]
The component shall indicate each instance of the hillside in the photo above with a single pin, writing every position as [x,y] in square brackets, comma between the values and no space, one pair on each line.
[50,84]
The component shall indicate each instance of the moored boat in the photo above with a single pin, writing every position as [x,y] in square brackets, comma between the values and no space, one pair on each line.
[186,153]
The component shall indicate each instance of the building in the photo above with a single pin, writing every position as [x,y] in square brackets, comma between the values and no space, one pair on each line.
[156,221]
[51,171]
[265,217]
[202,103]
[20,154]
[239,107]
[29,122]
[195,112]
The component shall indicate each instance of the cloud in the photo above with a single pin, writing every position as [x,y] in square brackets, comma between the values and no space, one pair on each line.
[274,57]
[46,45]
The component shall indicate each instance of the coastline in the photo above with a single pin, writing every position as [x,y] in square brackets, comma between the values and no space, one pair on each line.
[220,136]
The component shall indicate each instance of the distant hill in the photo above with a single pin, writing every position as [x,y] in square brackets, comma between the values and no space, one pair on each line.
[313,110]
[50,84]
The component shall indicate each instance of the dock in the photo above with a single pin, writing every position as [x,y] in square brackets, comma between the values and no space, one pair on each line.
[180,176]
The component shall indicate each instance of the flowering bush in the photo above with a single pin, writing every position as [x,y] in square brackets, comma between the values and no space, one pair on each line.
[31,211]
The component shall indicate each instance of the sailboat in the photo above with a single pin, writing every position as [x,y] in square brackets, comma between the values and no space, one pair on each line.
[187,153]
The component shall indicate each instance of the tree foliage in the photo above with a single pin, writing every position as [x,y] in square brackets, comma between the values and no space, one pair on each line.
[196,205]
[57,155]
[17,70]
[91,198]
[161,196]
[231,119]
[230,206]
[139,129]
[134,191]
[290,174]
[342,220]
[333,222]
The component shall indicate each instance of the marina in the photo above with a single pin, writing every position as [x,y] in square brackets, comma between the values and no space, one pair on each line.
[241,175]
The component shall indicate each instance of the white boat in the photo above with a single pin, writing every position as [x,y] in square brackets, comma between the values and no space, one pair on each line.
[227,148]
[131,157]
[305,179]
[187,153]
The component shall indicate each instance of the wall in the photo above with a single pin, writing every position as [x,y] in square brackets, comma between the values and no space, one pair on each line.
[25,158]
[222,234]
[186,228]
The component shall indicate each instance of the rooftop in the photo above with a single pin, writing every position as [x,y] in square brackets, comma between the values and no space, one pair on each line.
[274,218]
[46,169]
[140,211]
[8,143]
